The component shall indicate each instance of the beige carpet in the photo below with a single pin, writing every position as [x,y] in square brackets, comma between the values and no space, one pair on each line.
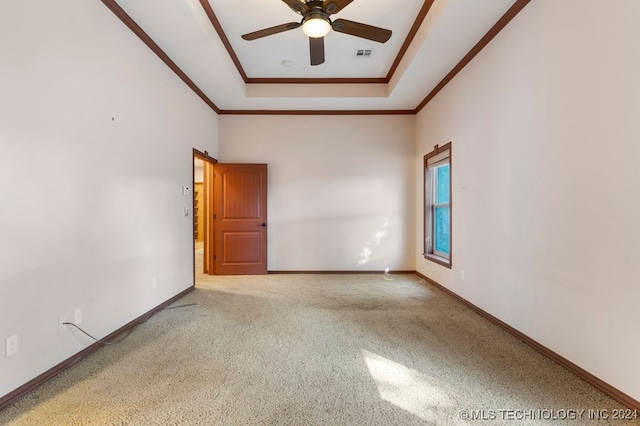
[313,350]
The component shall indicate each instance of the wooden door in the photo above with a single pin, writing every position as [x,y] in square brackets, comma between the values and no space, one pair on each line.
[240,219]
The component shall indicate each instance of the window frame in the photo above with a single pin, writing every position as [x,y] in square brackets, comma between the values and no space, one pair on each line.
[429,191]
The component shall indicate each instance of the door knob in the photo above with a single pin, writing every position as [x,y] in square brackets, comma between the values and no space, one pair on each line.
[264,224]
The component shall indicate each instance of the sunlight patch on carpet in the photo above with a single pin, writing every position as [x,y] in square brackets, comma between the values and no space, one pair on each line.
[406,388]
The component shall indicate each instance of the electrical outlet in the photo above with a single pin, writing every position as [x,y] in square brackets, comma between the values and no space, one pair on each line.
[154,282]
[11,345]
[186,191]
[462,274]
[61,320]
[77,316]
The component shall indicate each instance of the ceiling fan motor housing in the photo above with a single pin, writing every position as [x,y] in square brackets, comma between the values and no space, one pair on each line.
[301,8]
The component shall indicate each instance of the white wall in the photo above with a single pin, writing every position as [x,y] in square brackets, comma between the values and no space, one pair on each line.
[340,188]
[545,130]
[100,212]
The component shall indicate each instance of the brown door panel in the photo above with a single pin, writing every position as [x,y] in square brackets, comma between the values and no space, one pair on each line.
[240,219]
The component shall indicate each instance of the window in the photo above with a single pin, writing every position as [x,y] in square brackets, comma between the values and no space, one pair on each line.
[437,205]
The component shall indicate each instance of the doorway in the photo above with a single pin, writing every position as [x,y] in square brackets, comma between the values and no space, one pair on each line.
[202,214]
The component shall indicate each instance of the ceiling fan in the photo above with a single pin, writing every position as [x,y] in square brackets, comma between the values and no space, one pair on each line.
[316,24]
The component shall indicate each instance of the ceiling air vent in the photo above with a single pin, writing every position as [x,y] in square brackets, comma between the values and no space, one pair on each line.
[363,53]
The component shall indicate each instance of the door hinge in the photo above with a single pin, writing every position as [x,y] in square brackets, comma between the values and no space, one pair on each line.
[214,257]
[214,215]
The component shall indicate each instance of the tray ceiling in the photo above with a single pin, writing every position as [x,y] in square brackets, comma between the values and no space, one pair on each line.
[200,40]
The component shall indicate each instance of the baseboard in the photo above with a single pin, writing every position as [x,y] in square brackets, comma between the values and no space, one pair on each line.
[18,393]
[351,272]
[599,384]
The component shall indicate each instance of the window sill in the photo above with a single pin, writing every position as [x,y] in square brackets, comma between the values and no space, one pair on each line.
[439,260]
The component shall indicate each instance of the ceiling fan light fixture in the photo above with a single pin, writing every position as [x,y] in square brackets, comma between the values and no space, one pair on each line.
[316,26]
[316,23]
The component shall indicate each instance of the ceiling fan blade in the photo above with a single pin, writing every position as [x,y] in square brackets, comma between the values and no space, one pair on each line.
[316,50]
[297,6]
[272,30]
[335,6]
[361,30]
